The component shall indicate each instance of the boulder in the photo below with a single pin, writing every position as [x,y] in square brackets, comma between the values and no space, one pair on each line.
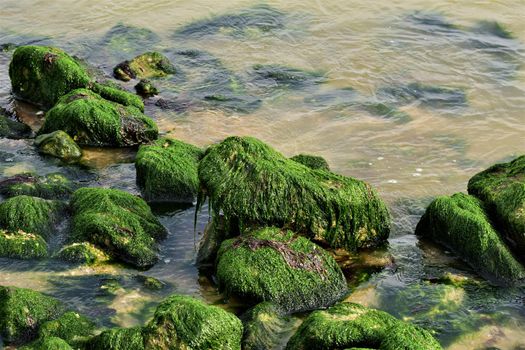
[82,253]
[147,65]
[50,186]
[22,245]
[49,343]
[58,144]
[72,327]
[145,88]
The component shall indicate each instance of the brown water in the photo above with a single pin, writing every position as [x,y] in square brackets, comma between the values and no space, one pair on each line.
[363,45]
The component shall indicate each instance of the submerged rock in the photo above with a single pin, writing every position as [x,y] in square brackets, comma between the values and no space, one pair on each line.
[118,222]
[493,28]
[83,253]
[460,223]
[502,189]
[311,161]
[22,245]
[285,77]
[277,266]
[94,121]
[348,325]
[427,95]
[50,186]
[123,40]
[167,171]
[254,185]
[58,144]
[23,311]
[432,23]
[145,88]
[147,65]
[386,111]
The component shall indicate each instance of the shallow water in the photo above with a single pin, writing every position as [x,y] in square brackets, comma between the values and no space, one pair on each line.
[368,46]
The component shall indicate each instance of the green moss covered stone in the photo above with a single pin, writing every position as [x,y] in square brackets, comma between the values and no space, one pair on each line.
[460,223]
[22,311]
[119,339]
[147,65]
[50,186]
[348,325]
[278,266]
[41,75]
[58,144]
[93,121]
[167,170]
[502,189]
[254,185]
[116,94]
[83,253]
[118,222]
[311,161]
[146,88]
[72,327]
[49,343]
[22,245]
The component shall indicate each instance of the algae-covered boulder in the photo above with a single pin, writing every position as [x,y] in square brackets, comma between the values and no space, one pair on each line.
[277,266]
[93,121]
[348,325]
[30,214]
[460,223]
[22,311]
[22,245]
[72,327]
[254,185]
[41,75]
[502,189]
[115,93]
[145,88]
[83,253]
[118,222]
[49,343]
[311,161]
[119,339]
[58,144]
[167,170]
[50,186]
[147,65]
[182,322]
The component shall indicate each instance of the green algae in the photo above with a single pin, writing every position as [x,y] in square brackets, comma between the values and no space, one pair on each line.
[118,339]
[119,223]
[48,343]
[311,161]
[460,223]
[93,121]
[147,65]
[72,327]
[167,170]
[22,245]
[145,88]
[277,266]
[82,253]
[117,95]
[254,185]
[50,186]
[58,144]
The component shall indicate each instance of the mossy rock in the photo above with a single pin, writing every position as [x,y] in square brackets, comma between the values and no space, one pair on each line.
[30,214]
[278,266]
[147,65]
[12,129]
[22,311]
[82,253]
[118,339]
[49,343]
[145,88]
[167,171]
[266,327]
[460,223]
[41,74]
[253,185]
[311,161]
[118,222]
[118,95]
[182,322]
[348,325]
[502,189]
[150,283]
[94,121]
[72,327]
[22,245]
[58,144]
[50,186]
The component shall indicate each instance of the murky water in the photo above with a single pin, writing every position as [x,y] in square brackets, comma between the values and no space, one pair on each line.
[427,146]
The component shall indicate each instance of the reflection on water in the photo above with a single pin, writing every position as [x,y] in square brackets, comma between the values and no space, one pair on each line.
[412,96]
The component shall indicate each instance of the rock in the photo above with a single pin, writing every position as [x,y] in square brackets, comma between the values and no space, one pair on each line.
[432,23]
[118,339]
[118,222]
[348,325]
[386,111]
[277,266]
[253,185]
[123,40]
[167,171]
[277,76]
[12,129]
[145,88]
[150,283]
[313,162]
[50,186]
[82,253]
[93,121]
[434,96]
[22,311]
[22,245]
[493,28]
[116,94]
[502,189]
[460,223]
[58,144]
[72,327]
[30,214]
[147,65]
[41,74]
[49,343]
[213,236]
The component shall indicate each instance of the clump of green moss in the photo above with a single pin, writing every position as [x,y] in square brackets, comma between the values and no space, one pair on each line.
[41,75]
[58,144]
[49,343]
[22,311]
[118,339]
[502,189]
[146,88]
[22,245]
[311,161]
[147,65]
[50,186]
[254,185]
[83,253]
[93,121]
[118,222]
[30,214]
[460,223]
[150,283]
[72,327]
[347,325]
[116,94]
[277,266]
[185,322]
[167,170]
